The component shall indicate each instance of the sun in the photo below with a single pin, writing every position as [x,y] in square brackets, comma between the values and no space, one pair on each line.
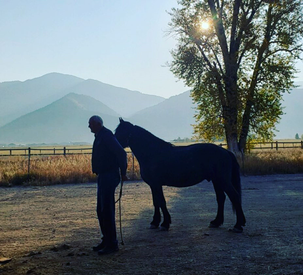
[205,25]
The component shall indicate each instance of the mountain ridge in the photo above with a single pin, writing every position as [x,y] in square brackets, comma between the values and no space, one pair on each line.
[64,119]
[19,98]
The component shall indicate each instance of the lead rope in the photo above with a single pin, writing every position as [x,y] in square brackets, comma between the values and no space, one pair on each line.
[120,212]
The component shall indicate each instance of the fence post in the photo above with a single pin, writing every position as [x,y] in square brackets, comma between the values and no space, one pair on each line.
[133,165]
[277,146]
[54,151]
[64,151]
[248,147]
[301,144]
[29,162]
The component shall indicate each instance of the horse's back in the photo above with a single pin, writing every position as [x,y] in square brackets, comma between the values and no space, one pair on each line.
[188,165]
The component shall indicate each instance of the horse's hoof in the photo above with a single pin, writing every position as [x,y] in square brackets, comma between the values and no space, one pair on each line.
[236,230]
[152,226]
[214,225]
[163,228]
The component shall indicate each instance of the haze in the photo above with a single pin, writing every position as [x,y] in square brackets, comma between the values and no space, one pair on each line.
[122,43]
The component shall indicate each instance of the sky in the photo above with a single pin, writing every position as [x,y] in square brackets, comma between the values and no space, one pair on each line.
[118,42]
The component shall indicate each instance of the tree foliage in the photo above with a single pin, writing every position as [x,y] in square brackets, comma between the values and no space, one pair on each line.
[240,67]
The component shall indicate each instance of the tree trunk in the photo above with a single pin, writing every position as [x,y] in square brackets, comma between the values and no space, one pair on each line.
[232,145]
[245,126]
[230,125]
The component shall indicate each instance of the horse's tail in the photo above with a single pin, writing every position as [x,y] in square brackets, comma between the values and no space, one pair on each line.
[235,178]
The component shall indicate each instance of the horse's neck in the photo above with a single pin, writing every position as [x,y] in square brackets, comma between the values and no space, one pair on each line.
[143,144]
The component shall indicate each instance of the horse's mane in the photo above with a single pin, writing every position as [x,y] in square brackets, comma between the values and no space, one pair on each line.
[150,138]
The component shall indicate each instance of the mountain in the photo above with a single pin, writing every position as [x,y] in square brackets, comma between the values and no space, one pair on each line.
[65,120]
[67,102]
[19,98]
[123,101]
[173,117]
[291,122]
[169,119]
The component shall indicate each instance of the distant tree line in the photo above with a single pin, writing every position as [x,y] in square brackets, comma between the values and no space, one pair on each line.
[298,137]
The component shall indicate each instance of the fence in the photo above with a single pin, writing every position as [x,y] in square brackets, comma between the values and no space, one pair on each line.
[4,152]
[64,151]
[58,151]
[274,145]
[28,152]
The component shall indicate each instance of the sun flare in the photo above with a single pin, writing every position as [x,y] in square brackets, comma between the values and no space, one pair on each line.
[204,25]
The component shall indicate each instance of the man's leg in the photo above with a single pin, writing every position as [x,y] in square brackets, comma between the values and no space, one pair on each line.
[101,245]
[106,190]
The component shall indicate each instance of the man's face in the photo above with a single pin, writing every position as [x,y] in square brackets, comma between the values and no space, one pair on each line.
[94,126]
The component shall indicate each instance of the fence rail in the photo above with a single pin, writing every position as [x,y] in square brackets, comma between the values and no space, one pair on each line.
[28,151]
[274,145]
[64,151]
[43,151]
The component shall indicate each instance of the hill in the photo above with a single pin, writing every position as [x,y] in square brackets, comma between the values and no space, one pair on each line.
[63,121]
[123,101]
[169,119]
[19,98]
[66,120]
[65,104]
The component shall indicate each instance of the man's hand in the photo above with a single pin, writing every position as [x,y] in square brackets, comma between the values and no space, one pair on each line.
[124,178]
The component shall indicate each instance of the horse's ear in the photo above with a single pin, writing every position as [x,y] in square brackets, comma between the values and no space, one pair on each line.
[121,119]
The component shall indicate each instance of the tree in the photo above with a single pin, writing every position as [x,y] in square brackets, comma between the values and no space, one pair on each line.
[297,136]
[240,66]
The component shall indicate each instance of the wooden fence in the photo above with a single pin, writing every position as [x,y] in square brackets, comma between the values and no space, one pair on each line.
[4,152]
[64,151]
[274,145]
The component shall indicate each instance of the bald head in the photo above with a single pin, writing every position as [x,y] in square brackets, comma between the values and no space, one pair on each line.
[95,124]
[96,119]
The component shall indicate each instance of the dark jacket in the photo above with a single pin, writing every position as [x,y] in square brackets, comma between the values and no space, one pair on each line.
[108,155]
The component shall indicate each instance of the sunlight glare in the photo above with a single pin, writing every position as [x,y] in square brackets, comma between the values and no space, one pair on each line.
[204,25]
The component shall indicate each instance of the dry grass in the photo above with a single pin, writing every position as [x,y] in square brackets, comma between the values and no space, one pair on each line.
[45,170]
[77,168]
[266,162]
[53,170]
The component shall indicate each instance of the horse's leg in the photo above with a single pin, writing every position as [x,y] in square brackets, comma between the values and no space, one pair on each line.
[167,219]
[234,197]
[159,202]
[156,218]
[220,200]
[157,215]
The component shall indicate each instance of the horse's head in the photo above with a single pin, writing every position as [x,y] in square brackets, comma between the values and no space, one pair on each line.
[123,132]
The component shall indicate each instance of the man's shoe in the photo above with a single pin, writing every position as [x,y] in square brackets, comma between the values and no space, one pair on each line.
[100,246]
[108,250]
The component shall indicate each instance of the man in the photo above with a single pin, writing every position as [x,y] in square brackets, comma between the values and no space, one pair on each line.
[107,157]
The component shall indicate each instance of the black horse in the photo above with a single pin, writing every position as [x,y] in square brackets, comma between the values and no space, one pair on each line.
[162,163]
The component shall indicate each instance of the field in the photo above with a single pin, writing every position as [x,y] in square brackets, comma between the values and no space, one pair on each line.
[57,169]
[51,229]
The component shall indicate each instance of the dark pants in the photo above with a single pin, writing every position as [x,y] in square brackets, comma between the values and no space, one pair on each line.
[107,183]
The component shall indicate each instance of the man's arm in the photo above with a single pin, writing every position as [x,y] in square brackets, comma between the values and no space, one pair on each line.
[115,147]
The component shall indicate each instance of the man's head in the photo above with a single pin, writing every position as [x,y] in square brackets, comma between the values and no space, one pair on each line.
[95,124]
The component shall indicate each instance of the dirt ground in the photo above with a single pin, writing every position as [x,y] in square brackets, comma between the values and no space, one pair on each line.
[51,230]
